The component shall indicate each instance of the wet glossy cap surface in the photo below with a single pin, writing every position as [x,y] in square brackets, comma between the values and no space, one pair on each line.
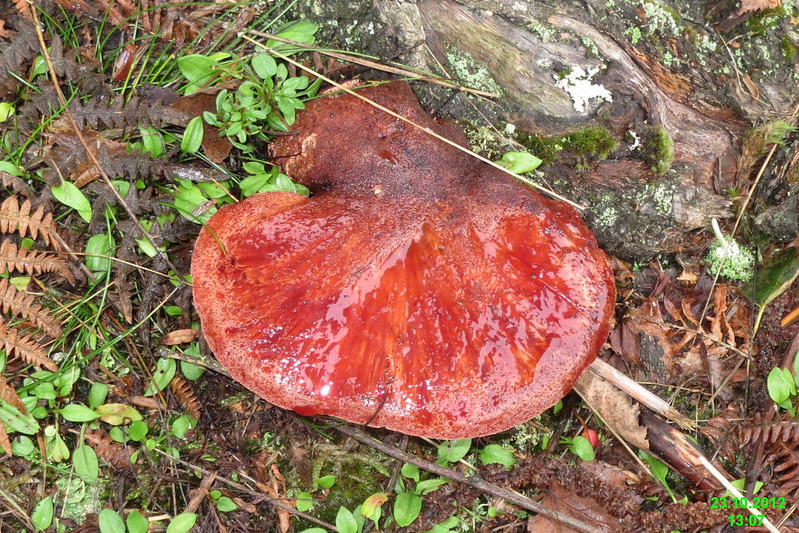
[417,289]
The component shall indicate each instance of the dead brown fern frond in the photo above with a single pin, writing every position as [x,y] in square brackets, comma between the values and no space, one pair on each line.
[22,304]
[13,258]
[770,428]
[24,347]
[16,217]
[185,395]
[112,452]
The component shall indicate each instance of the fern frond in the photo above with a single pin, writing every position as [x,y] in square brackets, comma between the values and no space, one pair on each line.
[24,347]
[771,428]
[16,56]
[112,452]
[13,258]
[185,395]
[21,304]
[16,217]
[99,114]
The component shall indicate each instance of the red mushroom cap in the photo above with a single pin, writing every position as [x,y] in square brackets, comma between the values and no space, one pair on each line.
[416,289]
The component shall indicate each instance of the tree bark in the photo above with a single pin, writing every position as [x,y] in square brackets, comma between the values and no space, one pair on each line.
[661,66]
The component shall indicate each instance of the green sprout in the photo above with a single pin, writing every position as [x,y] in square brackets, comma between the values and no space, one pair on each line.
[728,258]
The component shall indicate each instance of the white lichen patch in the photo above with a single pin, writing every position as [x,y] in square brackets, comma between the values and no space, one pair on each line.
[577,82]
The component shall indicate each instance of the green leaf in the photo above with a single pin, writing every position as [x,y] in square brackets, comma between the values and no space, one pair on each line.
[520,162]
[429,485]
[182,523]
[182,425]
[304,501]
[86,465]
[373,504]
[407,507]
[773,278]
[191,371]
[97,394]
[446,526]
[193,136]
[165,370]
[581,447]
[14,170]
[496,454]
[68,194]
[199,70]
[454,450]
[264,65]
[138,430]
[137,522]
[314,530]
[326,482]
[42,515]
[225,504]
[410,471]
[781,385]
[117,414]
[110,522]
[76,412]
[98,252]
[16,421]
[6,111]
[345,521]
[152,141]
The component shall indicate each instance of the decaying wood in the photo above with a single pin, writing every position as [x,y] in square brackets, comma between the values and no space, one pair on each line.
[522,48]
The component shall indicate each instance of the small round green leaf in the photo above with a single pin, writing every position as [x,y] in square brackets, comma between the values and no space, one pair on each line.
[520,162]
[182,523]
[42,515]
[110,522]
[345,521]
[264,65]
[76,412]
[581,447]
[137,522]
[407,507]
[165,370]
[68,194]
[86,465]
[193,136]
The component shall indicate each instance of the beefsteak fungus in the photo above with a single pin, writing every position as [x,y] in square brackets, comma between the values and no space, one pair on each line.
[417,289]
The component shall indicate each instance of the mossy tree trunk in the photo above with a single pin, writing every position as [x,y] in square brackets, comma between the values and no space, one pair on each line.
[677,86]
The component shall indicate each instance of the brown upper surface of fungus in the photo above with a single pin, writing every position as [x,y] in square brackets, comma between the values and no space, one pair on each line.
[416,289]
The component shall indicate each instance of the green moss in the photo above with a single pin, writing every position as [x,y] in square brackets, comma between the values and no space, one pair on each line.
[591,141]
[544,148]
[788,48]
[760,22]
[658,149]
[585,144]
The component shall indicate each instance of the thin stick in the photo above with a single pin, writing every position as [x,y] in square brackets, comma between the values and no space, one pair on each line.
[428,131]
[473,481]
[643,395]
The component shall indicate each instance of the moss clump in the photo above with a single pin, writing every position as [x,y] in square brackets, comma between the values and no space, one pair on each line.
[594,141]
[544,148]
[658,149]
[585,144]
[789,49]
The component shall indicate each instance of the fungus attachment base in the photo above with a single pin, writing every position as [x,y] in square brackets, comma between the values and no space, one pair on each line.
[443,301]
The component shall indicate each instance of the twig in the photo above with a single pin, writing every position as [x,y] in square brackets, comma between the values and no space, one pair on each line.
[474,481]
